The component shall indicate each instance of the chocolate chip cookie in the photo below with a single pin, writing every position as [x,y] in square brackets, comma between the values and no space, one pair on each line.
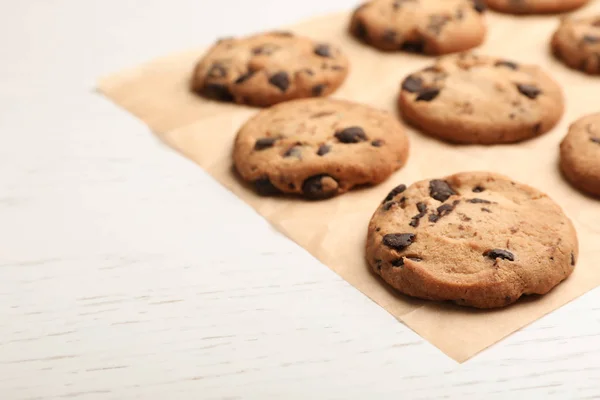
[534,6]
[580,154]
[467,98]
[269,68]
[577,43]
[422,26]
[475,238]
[318,148]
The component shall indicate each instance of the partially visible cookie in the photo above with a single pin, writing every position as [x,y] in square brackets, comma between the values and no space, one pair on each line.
[467,98]
[535,6]
[422,26]
[577,43]
[580,154]
[475,238]
[269,68]
[319,148]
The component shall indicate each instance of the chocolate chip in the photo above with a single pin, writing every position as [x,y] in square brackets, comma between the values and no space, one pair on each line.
[294,151]
[377,143]
[395,192]
[428,94]
[591,39]
[413,46]
[217,91]
[499,253]
[388,205]
[443,210]
[507,64]
[422,207]
[478,189]
[243,78]
[280,80]
[217,70]
[479,201]
[537,128]
[440,190]
[318,90]
[323,50]
[353,134]
[530,91]
[389,36]
[398,241]
[412,84]
[378,264]
[323,149]
[595,140]
[434,218]
[360,30]
[479,5]
[399,262]
[319,187]
[264,187]
[264,143]
[265,50]
[377,229]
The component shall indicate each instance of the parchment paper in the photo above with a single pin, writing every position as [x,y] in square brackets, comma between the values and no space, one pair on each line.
[334,231]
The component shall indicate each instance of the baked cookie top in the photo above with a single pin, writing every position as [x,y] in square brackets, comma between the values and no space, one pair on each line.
[468,98]
[475,238]
[580,154]
[534,6]
[319,148]
[423,26]
[269,68]
[577,43]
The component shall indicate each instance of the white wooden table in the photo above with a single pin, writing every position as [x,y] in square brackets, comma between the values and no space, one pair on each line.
[126,272]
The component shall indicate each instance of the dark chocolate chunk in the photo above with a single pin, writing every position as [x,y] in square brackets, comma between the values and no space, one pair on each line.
[388,205]
[264,143]
[434,218]
[487,210]
[244,77]
[377,143]
[478,189]
[265,49]
[414,221]
[280,80]
[399,262]
[413,46]
[499,253]
[395,192]
[479,201]
[412,84]
[530,91]
[294,151]
[378,264]
[323,50]
[314,189]
[446,209]
[353,134]
[440,190]
[507,64]
[217,70]
[479,5]
[323,149]
[217,91]
[428,94]
[360,30]
[318,90]
[264,187]
[595,140]
[591,39]
[572,258]
[398,241]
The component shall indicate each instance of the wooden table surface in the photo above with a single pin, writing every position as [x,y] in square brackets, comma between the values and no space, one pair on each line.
[126,272]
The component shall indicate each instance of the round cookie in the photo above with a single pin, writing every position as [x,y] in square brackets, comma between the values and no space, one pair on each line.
[422,26]
[534,6]
[580,154]
[577,43]
[467,98]
[269,68]
[474,238]
[319,148]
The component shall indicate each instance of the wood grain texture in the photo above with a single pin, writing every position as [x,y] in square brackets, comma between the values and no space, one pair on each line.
[126,272]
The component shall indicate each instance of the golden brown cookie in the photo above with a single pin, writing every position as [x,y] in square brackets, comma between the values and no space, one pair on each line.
[269,68]
[580,154]
[467,98]
[422,26]
[319,148]
[474,238]
[534,6]
[577,43]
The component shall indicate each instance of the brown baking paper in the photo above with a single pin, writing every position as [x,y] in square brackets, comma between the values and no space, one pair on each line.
[334,230]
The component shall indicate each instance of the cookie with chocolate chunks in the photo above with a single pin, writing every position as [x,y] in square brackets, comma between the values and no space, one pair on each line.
[576,42]
[435,242]
[534,6]
[420,26]
[580,154]
[469,98]
[319,148]
[269,68]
